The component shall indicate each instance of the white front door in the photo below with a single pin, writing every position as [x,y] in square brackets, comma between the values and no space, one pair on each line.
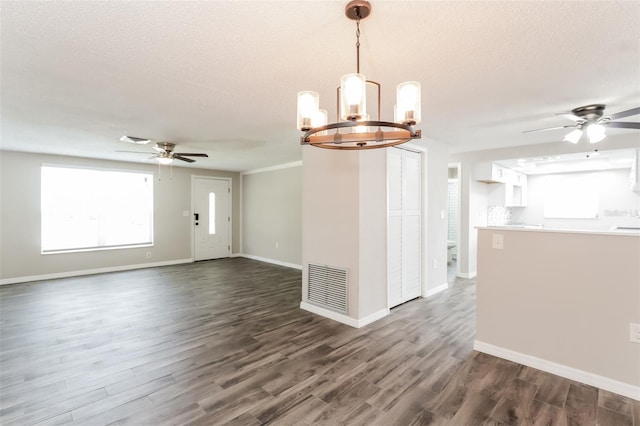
[404,239]
[211,218]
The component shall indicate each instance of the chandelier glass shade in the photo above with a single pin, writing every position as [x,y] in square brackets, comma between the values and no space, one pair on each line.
[354,128]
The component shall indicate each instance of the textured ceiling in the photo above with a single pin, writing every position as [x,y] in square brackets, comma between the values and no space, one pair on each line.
[221,77]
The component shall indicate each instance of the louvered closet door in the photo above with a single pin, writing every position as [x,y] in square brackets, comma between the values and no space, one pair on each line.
[404,239]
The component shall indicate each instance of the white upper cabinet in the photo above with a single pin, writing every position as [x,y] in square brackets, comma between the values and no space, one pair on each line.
[489,172]
[511,188]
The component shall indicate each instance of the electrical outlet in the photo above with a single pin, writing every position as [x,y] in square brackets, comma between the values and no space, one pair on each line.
[498,241]
[148,255]
[634,332]
[277,245]
[435,264]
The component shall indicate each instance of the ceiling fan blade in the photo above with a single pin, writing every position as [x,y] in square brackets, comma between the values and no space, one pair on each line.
[551,128]
[623,125]
[135,152]
[157,148]
[133,139]
[188,154]
[179,157]
[570,116]
[623,114]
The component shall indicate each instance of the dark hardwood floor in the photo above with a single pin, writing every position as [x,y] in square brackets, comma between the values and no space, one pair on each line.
[224,342]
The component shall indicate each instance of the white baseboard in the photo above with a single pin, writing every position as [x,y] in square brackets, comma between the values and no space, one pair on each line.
[91,271]
[467,276]
[624,389]
[266,259]
[373,317]
[437,290]
[344,319]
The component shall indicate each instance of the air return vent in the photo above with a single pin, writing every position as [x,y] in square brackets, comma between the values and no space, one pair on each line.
[328,287]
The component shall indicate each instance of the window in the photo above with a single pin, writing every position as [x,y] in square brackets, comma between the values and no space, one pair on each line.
[212,213]
[571,197]
[89,209]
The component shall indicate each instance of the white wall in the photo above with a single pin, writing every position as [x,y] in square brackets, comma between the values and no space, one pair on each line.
[331,215]
[372,268]
[272,214]
[611,188]
[344,219]
[436,198]
[20,251]
[564,298]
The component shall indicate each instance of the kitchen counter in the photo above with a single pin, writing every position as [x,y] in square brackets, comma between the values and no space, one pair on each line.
[631,232]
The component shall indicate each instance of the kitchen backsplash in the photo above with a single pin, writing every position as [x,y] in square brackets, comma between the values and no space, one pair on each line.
[498,216]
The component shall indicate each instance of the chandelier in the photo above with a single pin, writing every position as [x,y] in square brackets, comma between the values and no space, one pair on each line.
[353,128]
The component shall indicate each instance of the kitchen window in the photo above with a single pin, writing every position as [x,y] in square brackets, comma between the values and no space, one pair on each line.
[570,197]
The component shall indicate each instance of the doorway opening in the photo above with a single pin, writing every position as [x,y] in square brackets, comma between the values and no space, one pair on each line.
[453,225]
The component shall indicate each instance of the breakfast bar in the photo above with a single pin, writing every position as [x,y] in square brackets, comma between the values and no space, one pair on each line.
[528,310]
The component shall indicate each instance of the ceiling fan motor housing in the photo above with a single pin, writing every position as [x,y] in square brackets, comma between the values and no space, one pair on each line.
[589,112]
[166,146]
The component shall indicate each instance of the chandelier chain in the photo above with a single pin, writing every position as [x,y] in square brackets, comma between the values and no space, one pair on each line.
[358,40]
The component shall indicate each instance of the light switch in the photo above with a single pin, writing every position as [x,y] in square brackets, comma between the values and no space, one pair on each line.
[443,215]
[185,213]
[498,241]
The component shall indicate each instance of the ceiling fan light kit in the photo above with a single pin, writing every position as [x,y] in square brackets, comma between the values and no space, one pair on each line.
[591,119]
[360,132]
[573,136]
[164,160]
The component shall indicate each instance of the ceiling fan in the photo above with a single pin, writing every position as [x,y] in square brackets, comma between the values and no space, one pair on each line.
[164,151]
[591,118]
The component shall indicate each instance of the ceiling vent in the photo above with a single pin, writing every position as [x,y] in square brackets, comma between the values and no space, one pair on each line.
[328,287]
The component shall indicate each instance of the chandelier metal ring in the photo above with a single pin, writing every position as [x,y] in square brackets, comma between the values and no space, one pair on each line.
[364,140]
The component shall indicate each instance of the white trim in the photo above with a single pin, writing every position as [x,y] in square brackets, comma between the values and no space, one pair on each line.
[373,317]
[91,271]
[344,319]
[272,168]
[437,290]
[468,276]
[240,218]
[408,146]
[611,385]
[266,259]
[236,255]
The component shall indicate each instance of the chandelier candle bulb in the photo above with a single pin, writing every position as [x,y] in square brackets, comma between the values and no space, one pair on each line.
[308,107]
[320,119]
[408,108]
[353,89]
